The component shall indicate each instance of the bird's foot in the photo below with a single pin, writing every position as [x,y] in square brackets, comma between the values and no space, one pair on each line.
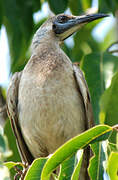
[20,174]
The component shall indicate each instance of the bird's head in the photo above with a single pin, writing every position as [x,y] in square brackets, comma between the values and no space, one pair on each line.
[61,26]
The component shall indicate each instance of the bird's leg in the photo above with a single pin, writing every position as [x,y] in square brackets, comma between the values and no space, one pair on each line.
[21,173]
[18,174]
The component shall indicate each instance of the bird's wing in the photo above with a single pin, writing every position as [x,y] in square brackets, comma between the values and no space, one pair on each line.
[83,88]
[12,101]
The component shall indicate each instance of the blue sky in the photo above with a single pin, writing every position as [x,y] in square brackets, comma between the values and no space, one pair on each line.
[98,33]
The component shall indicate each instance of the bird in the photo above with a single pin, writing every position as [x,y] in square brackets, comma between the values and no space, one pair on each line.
[48,102]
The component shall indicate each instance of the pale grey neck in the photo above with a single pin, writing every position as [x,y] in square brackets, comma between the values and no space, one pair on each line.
[44,36]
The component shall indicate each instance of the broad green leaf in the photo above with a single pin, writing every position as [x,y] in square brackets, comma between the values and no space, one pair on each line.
[18,20]
[34,171]
[86,4]
[108,105]
[112,167]
[99,69]
[91,65]
[67,168]
[12,143]
[84,43]
[74,144]
[59,7]
[96,162]
[78,7]
[77,168]
[110,67]
[36,4]
[11,164]
[108,6]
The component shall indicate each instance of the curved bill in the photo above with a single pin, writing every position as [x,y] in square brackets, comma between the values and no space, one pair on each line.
[66,29]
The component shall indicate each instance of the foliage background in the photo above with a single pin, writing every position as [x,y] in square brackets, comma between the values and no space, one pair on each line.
[98,59]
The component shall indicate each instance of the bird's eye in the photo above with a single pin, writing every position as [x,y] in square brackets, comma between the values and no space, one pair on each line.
[62,19]
[54,26]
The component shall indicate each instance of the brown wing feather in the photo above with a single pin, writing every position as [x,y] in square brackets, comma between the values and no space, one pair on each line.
[83,88]
[12,101]
[82,85]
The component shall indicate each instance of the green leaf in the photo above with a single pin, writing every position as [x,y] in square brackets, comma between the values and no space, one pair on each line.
[76,172]
[86,4]
[12,143]
[108,6]
[34,172]
[67,168]
[11,164]
[94,77]
[4,150]
[97,67]
[35,4]
[112,167]
[96,162]
[18,21]
[59,7]
[108,105]
[78,7]
[2,144]
[75,7]
[84,43]
[70,147]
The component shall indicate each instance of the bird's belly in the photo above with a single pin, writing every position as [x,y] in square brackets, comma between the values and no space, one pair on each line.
[51,113]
